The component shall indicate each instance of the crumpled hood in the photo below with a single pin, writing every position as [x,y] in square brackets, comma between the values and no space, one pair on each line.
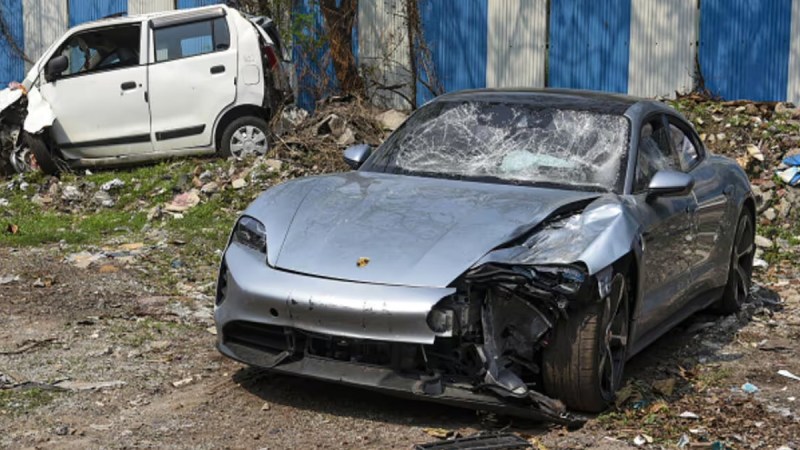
[414,231]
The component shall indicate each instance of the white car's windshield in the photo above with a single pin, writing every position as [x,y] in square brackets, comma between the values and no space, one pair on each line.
[509,143]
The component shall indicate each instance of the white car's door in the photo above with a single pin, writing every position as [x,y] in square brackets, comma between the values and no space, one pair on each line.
[192,76]
[100,100]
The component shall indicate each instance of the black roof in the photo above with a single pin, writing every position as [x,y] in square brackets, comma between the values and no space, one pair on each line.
[602,102]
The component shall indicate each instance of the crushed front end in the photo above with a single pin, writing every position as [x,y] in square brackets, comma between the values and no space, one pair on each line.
[477,343]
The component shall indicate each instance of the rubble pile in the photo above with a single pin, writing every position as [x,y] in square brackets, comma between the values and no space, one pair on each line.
[760,136]
[316,141]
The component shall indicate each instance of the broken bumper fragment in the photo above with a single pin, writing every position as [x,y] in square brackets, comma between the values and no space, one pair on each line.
[473,347]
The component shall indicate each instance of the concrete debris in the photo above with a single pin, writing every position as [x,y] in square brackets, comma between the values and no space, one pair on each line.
[116,183]
[183,202]
[8,279]
[182,382]
[209,188]
[103,198]
[239,183]
[71,193]
[392,119]
[763,242]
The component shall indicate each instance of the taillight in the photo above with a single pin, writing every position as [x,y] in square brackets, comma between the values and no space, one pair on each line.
[272,57]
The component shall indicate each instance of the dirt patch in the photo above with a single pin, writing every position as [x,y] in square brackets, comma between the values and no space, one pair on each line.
[175,391]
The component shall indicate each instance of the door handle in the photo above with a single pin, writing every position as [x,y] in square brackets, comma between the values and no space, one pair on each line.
[127,86]
[217,69]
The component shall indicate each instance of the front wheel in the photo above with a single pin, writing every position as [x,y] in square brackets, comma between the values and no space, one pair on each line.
[583,364]
[44,157]
[245,136]
[740,273]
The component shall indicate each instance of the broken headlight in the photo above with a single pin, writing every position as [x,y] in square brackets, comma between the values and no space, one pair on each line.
[562,279]
[251,233]
[440,321]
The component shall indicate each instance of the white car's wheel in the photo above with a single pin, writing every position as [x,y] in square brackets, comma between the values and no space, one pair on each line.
[245,136]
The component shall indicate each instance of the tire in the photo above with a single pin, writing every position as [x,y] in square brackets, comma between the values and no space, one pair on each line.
[48,162]
[740,273]
[577,368]
[245,136]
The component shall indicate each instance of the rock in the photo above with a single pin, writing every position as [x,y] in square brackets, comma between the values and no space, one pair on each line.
[770,214]
[40,200]
[209,188]
[103,198]
[348,137]
[116,183]
[154,213]
[392,119]
[238,183]
[206,176]
[71,193]
[182,382]
[273,164]
[783,208]
[761,241]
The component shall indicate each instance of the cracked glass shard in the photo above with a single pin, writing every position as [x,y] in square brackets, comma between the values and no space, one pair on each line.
[512,143]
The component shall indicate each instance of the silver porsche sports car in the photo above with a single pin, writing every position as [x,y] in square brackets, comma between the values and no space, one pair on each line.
[505,250]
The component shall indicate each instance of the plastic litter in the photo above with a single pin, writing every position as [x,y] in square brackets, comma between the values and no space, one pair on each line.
[684,441]
[689,415]
[750,388]
[787,374]
[791,175]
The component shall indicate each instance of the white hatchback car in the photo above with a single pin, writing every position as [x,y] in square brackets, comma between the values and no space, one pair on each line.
[130,89]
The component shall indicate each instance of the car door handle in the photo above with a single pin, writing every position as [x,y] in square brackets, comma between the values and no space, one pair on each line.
[127,86]
[217,69]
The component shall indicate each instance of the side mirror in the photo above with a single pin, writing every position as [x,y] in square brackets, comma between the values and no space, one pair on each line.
[55,67]
[667,183]
[355,155]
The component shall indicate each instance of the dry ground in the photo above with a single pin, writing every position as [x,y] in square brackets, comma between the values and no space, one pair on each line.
[86,326]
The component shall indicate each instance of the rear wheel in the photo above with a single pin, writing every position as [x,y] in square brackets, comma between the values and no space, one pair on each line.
[584,362]
[740,273]
[245,136]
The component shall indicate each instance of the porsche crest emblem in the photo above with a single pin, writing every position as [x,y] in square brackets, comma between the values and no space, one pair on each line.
[362,262]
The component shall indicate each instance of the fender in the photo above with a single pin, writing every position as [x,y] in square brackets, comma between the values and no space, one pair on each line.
[40,114]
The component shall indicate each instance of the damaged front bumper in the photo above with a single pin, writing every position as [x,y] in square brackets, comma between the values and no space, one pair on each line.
[438,344]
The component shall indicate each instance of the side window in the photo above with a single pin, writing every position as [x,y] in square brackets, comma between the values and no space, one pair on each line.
[683,146]
[655,153]
[105,49]
[191,39]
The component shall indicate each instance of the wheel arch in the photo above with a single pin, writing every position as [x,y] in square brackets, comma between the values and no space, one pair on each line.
[235,113]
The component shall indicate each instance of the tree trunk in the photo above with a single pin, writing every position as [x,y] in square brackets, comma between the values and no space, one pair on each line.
[339,22]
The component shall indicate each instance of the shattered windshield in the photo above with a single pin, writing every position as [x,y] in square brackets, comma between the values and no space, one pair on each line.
[510,143]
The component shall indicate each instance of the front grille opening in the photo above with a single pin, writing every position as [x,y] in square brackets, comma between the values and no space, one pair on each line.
[267,338]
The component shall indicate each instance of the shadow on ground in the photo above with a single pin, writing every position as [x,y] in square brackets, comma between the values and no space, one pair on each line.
[698,340]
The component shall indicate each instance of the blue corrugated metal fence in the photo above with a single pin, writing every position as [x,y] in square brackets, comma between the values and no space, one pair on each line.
[744,47]
[589,44]
[455,32]
[12,66]
[87,10]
